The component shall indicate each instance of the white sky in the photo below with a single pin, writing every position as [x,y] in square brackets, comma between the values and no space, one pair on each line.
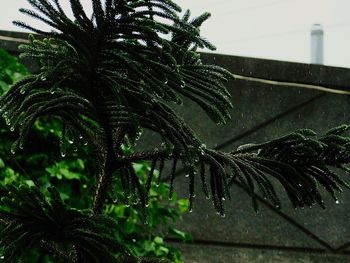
[274,29]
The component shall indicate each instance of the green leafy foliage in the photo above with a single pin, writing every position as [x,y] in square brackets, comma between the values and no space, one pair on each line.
[142,230]
[110,76]
[10,70]
[42,165]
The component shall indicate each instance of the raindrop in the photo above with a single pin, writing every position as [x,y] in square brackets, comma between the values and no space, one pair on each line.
[85,143]
[80,136]
[223,215]
[52,92]
[183,84]
[146,205]
[21,145]
[63,154]
[13,148]
[127,205]
[75,149]
[207,197]
[12,128]
[245,146]
[191,210]
[22,91]
[43,78]
[337,202]
[2,257]
[187,175]
[133,240]
[223,199]
[166,81]
[115,201]
[70,141]
[138,136]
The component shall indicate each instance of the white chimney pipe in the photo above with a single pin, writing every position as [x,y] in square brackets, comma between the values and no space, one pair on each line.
[317,44]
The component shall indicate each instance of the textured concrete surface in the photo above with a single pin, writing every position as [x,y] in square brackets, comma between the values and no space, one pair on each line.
[201,254]
[255,104]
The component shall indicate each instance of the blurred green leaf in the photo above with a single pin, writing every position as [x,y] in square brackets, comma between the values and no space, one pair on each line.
[2,164]
[65,169]
[182,235]
[184,205]
[158,240]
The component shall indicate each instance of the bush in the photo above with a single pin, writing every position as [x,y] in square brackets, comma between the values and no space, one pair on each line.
[41,164]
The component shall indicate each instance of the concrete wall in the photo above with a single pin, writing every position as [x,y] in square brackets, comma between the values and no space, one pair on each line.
[263,112]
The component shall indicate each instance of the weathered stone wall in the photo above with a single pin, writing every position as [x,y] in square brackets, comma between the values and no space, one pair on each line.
[262,112]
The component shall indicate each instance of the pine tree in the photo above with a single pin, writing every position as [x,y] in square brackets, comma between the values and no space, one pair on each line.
[110,76]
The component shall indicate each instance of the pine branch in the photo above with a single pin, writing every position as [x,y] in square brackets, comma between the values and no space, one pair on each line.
[147,155]
[51,249]
[123,75]
[32,221]
[300,162]
[114,142]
